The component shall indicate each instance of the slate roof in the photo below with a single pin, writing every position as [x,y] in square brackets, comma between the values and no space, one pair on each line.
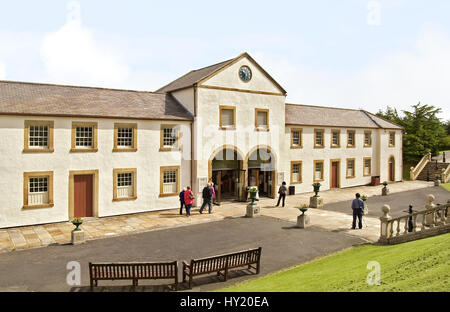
[23,98]
[309,115]
[193,77]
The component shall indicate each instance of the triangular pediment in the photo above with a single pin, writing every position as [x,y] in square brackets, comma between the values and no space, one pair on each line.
[228,77]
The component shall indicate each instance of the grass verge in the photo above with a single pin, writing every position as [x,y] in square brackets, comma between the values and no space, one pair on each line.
[418,266]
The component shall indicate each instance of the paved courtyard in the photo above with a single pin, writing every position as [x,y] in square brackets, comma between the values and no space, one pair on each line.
[334,219]
[165,236]
[44,269]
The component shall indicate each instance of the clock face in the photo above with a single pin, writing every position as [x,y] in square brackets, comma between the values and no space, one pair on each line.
[245,73]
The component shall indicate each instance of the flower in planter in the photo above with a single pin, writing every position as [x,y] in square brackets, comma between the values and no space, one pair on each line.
[303,208]
[316,184]
[385,183]
[364,197]
[77,222]
[253,189]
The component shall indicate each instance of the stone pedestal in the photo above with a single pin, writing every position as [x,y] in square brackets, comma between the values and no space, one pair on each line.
[302,221]
[316,202]
[384,191]
[366,209]
[252,210]
[429,218]
[437,182]
[78,237]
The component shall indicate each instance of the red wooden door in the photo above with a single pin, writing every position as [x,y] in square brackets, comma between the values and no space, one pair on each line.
[391,170]
[334,175]
[83,196]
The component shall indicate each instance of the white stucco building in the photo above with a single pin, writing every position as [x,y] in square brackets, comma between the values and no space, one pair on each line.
[71,151]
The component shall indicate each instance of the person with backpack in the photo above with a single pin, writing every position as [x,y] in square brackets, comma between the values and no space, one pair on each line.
[282,191]
[181,195]
[188,200]
[358,209]
[207,195]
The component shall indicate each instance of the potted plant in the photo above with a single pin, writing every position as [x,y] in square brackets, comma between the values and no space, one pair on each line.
[316,186]
[364,197]
[77,222]
[253,192]
[385,190]
[303,208]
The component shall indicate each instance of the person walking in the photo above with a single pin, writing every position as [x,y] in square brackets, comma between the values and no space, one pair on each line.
[207,195]
[282,191]
[181,195]
[213,192]
[188,200]
[358,209]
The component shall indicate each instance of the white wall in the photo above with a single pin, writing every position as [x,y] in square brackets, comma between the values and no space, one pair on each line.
[308,154]
[147,160]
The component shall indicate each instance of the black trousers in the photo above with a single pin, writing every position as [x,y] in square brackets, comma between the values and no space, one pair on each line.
[181,208]
[357,213]
[206,202]
[279,199]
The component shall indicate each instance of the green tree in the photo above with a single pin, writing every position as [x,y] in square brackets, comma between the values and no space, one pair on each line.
[423,132]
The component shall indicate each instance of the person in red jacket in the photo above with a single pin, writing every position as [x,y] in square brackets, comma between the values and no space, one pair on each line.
[188,200]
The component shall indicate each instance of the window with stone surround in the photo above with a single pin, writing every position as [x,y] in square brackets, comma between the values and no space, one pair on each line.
[296,138]
[84,137]
[319,138]
[296,172]
[367,138]
[351,138]
[38,136]
[367,166]
[350,168]
[125,187]
[169,181]
[38,189]
[318,170]
[125,137]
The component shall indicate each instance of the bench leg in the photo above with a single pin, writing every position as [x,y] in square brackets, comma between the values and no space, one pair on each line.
[226,274]
[190,281]
[176,285]
[135,282]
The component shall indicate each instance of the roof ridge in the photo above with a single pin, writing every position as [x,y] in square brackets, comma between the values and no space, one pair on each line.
[72,86]
[318,106]
[384,119]
[192,71]
[370,117]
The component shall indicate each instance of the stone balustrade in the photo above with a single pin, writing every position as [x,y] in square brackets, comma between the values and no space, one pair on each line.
[415,171]
[432,221]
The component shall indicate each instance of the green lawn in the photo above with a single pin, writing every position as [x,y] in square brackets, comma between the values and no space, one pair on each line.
[446,186]
[422,265]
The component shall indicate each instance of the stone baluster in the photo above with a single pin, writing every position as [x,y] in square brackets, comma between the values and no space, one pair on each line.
[406,225]
[414,223]
[429,218]
[386,227]
[398,227]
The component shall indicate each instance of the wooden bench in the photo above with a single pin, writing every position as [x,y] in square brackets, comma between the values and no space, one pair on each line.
[132,271]
[222,263]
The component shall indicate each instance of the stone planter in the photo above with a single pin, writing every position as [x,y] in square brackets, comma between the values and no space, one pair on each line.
[78,236]
[384,191]
[437,182]
[252,210]
[316,202]
[302,221]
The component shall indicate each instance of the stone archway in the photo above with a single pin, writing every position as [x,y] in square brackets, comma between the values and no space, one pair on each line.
[261,164]
[226,169]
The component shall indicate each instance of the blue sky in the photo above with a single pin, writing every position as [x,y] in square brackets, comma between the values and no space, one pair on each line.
[348,53]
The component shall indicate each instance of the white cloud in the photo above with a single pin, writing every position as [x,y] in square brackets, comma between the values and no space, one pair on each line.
[398,79]
[73,56]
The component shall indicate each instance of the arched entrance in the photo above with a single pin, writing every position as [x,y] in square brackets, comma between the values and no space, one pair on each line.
[391,168]
[261,164]
[227,172]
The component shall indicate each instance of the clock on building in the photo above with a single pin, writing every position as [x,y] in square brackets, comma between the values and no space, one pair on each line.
[245,73]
